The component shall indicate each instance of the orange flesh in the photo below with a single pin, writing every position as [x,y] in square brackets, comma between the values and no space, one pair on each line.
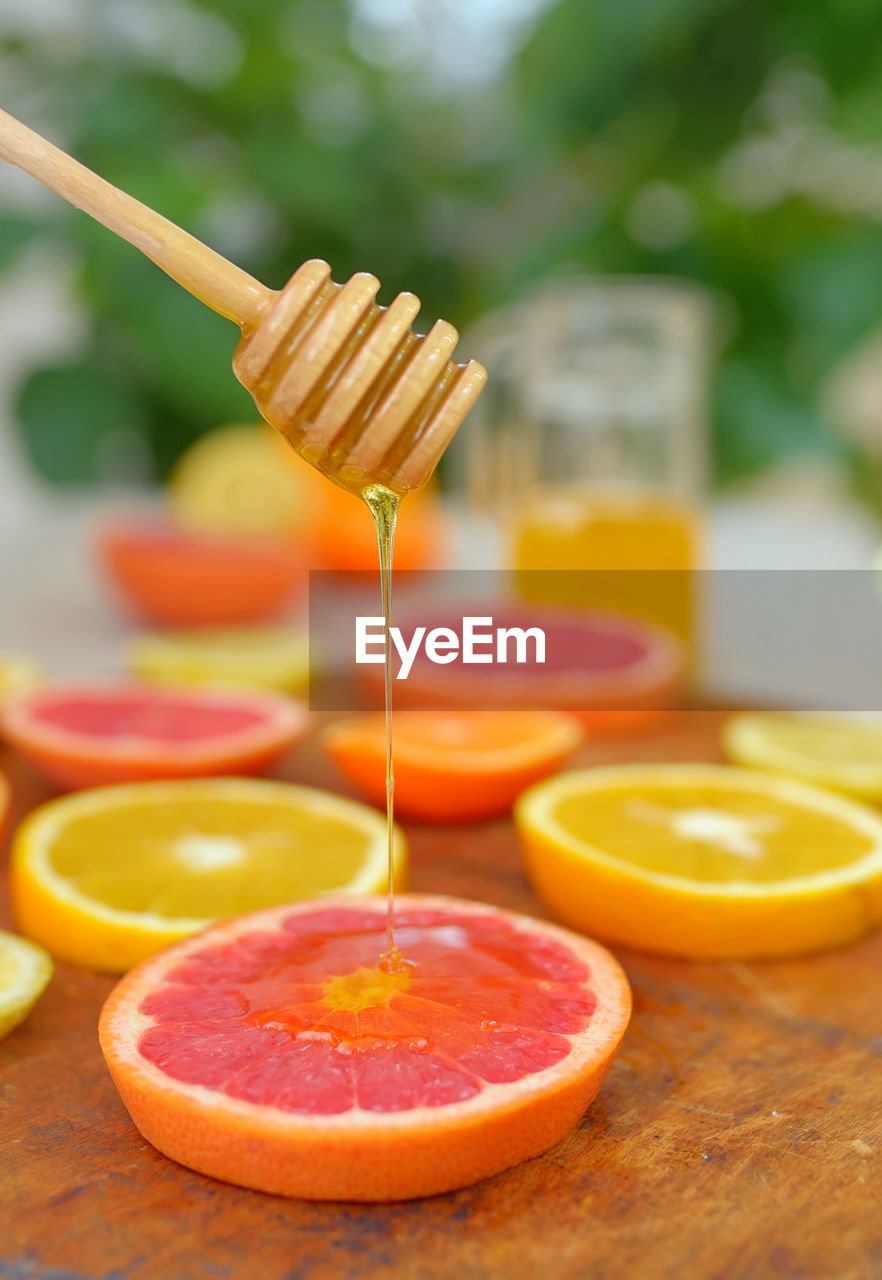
[450,733]
[303,1019]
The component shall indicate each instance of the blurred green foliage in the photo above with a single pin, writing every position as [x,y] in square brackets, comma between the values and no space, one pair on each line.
[732,142]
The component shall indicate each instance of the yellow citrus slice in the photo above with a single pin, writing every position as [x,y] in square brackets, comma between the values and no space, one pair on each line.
[261,657]
[842,752]
[104,878]
[18,674]
[24,972]
[240,478]
[704,861]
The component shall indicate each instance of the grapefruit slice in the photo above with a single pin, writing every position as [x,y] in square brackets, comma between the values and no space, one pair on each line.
[273,1052]
[104,878]
[25,971]
[175,577]
[453,766]
[85,735]
[703,861]
[618,674]
[251,657]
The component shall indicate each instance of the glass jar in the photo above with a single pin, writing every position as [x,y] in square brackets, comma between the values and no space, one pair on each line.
[599,450]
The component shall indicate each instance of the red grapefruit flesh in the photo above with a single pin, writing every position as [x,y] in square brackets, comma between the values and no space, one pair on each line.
[175,577]
[91,735]
[272,1052]
[617,674]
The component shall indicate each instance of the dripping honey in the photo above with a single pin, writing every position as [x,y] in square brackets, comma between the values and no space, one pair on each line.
[384,505]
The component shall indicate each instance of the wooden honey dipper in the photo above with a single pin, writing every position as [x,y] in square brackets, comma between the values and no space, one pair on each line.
[346,381]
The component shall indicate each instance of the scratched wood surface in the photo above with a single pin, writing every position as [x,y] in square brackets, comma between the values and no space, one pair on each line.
[737,1136]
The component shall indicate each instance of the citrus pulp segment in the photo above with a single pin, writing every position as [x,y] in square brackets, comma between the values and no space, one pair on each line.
[83,735]
[704,861]
[273,1052]
[104,878]
[242,657]
[25,971]
[842,752]
[453,766]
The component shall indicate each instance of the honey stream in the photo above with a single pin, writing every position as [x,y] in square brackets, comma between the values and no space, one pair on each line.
[384,505]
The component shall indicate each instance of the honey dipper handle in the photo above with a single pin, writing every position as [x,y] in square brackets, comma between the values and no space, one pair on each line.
[217,282]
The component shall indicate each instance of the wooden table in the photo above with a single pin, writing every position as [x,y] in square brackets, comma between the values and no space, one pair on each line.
[737,1136]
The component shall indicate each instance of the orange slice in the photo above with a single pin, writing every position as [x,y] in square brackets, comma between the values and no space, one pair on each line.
[83,735]
[105,878]
[175,577]
[703,861]
[453,766]
[272,1051]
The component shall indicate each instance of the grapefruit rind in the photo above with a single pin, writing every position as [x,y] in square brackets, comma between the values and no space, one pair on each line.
[358,1155]
[649,910]
[87,932]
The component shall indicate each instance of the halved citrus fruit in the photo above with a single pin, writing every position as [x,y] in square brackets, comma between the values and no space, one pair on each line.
[18,674]
[346,540]
[453,766]
[245,479]
[261,657]
[25,971]
[242,478]
[703,861]
[175,577]
[87,735]
[617,674]
[842,752]
[274,1052]
[104,878]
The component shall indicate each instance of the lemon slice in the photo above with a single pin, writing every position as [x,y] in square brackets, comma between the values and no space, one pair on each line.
[239,479]
[104,878]
[24,972]
[18,674]
[250,657]
[842,752]
[703,860]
